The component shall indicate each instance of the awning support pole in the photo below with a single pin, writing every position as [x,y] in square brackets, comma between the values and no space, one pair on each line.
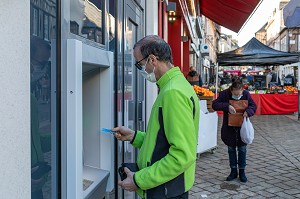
[217,78]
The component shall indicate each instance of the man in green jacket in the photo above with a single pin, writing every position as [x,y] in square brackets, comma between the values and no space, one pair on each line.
[167,156]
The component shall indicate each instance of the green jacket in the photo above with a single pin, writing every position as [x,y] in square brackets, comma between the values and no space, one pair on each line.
[167,156]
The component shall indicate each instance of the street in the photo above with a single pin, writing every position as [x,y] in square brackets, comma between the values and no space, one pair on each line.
[273,163]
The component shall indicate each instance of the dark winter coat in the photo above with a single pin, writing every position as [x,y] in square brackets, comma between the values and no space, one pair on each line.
[231,135]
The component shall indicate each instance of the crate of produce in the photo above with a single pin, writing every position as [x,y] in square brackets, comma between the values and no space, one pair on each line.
[209,100]
[205,94]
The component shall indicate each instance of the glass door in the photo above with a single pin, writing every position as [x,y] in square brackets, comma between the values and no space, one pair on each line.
[133,89]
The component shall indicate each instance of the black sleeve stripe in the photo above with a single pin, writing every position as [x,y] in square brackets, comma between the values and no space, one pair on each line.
[135,181]
[194,110]
[133,137]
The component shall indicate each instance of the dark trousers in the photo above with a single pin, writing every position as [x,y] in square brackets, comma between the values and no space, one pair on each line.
[241,160]
[182,196]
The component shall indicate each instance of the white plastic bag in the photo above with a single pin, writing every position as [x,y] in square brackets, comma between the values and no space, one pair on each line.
[247,131]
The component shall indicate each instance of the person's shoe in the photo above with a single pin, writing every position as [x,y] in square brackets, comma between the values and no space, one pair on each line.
[233,175]
[242,175]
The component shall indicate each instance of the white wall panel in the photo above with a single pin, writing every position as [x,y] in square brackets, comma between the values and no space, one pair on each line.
[15,99]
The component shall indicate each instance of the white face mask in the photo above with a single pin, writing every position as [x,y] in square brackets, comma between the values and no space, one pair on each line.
[237,97]
[148,76]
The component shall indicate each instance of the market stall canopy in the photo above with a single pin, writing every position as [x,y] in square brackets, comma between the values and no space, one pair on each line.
[291,14]
[231,14]
[255,53]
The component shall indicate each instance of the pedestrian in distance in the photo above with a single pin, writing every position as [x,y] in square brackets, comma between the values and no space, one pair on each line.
[167,156]
[193,77]
[226,79]
[231,134]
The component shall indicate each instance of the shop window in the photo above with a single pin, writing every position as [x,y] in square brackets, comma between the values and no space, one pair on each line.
[86,19]
[42,99]
[111,24]
[283,44]
[46,27]
[298,43]
[292,42]
[34,21]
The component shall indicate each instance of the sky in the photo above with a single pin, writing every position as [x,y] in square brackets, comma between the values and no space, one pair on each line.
[257,20]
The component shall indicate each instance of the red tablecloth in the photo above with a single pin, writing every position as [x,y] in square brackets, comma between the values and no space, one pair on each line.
[273,104]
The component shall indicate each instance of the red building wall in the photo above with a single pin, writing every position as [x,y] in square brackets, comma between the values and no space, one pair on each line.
[175,30]
[162,20]
[186,57]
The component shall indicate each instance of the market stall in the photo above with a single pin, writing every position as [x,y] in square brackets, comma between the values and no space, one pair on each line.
[275,104]
[254,53]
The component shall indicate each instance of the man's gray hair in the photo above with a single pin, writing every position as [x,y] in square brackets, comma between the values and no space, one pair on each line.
[153,44]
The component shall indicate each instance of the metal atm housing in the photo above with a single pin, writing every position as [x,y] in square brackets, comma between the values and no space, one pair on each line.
[89,100]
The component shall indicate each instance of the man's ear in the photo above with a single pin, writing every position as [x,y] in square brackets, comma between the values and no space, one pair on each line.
[153,59]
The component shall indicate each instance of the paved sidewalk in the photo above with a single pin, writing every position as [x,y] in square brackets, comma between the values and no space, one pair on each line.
[273,163]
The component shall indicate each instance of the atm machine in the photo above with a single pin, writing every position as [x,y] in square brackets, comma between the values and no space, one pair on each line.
[89,153]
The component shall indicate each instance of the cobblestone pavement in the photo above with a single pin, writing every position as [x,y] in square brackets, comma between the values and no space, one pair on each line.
[273,163]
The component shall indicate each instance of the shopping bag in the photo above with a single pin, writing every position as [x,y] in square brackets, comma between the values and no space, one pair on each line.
[247,131]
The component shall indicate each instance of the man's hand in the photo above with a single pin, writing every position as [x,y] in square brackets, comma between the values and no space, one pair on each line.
[232,110]
[123,133]
[245,114]
[128,184]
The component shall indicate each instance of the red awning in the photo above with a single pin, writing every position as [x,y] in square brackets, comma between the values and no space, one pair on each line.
[231,14]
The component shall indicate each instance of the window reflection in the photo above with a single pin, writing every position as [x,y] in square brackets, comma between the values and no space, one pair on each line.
[111,20]
[43,32]
[299,42]
[86,19]
[39,67]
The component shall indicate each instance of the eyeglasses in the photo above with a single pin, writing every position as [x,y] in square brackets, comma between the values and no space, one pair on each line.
[138,63]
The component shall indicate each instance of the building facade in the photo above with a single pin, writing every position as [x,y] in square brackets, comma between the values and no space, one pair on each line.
[282,38]
[69,73]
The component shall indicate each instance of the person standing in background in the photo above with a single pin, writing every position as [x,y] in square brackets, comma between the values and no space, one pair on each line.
[193,77]
[226,79]
[230,135]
